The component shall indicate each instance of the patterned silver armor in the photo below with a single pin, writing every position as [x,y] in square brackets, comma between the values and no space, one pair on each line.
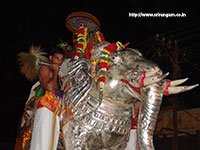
[106,124]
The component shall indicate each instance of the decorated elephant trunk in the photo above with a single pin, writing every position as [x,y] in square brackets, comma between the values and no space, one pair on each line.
[148,116]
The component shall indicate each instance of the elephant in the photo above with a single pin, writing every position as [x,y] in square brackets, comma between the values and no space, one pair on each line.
[89,122]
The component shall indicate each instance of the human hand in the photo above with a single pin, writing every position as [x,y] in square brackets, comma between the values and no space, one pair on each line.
[67,86]
[55,67]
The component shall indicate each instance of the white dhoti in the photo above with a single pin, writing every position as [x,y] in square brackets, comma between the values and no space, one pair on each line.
[46,128]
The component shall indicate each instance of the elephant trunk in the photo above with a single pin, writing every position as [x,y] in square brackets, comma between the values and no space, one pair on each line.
[148,116]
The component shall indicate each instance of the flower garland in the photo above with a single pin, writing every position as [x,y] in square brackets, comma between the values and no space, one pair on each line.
[104,67]
[100,37]
[82,43]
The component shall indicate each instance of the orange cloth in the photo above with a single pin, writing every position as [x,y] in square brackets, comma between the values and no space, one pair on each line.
[51,101]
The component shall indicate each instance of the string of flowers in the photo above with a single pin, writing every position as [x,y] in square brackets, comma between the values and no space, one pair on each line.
[100,37]
[104,67]
[82,42]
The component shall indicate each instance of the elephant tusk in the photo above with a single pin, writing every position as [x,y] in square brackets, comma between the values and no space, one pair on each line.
[152,72]
[154,79]
[180,89]
[177,82]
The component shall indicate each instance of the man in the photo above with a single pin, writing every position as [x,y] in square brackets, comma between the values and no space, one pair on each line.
[47,117]
[69,50]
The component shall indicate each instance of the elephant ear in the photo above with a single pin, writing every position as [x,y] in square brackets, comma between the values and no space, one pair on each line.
[81,81]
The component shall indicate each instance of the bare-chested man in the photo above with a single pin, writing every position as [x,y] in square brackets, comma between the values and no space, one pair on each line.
[47,117]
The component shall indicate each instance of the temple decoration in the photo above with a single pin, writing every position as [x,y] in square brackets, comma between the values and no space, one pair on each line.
[82,43]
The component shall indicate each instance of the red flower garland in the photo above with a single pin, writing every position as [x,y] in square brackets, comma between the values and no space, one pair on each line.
[100,37]
[82,43]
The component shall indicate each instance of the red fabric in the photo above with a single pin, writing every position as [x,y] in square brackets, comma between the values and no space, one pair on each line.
[137,90]
[135,121]
[126,44]
[166,92]
[141,83]
[51,102]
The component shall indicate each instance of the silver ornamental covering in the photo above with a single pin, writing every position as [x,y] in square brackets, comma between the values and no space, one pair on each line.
[90,124]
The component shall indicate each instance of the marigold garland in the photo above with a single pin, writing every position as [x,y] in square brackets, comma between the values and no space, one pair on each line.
[82,43]
[105,54]
[100,37]
[104,67]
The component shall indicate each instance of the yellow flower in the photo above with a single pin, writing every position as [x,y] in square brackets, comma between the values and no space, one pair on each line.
[80,35]
[106,51]
[101,75]
[103,61]
[81,42]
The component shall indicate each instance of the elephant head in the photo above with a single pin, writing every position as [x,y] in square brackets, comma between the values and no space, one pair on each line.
[132,77]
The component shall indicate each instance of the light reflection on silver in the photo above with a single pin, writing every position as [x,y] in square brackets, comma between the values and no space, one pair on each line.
[113,83]
[106,125]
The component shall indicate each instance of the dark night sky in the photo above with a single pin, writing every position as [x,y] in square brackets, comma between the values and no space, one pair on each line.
[41,22]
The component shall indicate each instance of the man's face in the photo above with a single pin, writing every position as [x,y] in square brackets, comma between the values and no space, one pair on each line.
[56,58]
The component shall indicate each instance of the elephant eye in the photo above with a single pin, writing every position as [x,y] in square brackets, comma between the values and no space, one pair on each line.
[134,74]
[116,59]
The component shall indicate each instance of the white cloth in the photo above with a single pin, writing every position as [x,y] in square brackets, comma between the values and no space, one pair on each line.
[132,143]
[46,130]
[29,113]
[32,92]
